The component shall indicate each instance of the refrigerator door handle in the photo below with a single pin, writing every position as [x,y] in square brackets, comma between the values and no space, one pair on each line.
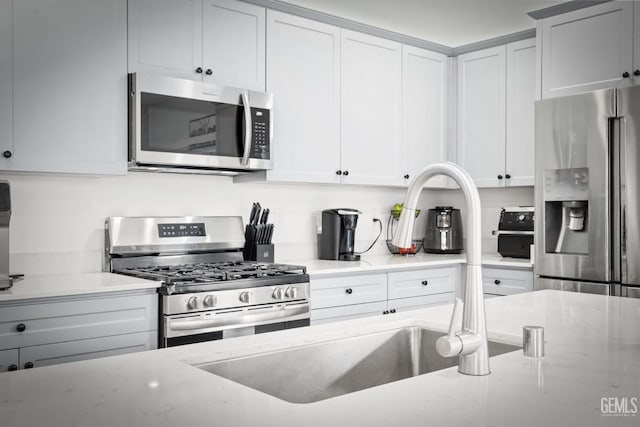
[616,204]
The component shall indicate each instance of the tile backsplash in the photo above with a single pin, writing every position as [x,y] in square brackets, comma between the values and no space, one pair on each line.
[57,221]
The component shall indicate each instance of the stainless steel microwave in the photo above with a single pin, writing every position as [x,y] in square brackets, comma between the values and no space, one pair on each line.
[178,125]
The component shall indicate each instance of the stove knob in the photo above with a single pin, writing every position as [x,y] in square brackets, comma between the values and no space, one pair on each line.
[278,293]
[246,297]
[291,293]
[209,301]
[521,218]
[192,303]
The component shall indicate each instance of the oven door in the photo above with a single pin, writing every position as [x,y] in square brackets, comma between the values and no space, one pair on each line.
[210,325]
[176,123]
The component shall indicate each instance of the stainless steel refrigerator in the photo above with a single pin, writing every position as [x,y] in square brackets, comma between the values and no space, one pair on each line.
[587,192]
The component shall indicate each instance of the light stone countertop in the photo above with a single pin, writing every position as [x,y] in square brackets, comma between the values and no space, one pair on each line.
[60,285]
[592,352]
[383,263]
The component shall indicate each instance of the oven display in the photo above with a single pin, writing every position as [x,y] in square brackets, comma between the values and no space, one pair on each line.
[181,230]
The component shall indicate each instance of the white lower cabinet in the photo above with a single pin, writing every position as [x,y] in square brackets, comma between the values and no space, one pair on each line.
[503,281]
[332,314]
[72,351]
[56,330]
[351,296]
[348,290]
[415,303]
[9,360]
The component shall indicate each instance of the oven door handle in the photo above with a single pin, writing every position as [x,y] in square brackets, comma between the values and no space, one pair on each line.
[248,126]
[238,318]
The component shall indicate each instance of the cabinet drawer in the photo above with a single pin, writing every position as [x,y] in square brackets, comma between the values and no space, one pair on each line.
[506,282]
[73,351]
[407,284]
[348,290]
[69,319]
[8,358]
[415,303]
[334,314]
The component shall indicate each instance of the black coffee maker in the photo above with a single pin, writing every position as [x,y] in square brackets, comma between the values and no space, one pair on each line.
[336,242]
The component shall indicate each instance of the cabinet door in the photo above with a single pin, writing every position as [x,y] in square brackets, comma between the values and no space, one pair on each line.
[348,290]
[303,72]
[9,360]
[498,281]
[6,76]
[424,85]
[72,351]
[481,115]
[521,87]
[346,312]
[69,108]
[234,43]
[371,102]
[587,49]
[165,37]
[416,303]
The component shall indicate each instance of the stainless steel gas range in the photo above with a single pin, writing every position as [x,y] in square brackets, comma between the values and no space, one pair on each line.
[208,291]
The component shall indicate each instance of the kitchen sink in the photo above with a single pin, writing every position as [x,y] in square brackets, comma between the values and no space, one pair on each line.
[320,371]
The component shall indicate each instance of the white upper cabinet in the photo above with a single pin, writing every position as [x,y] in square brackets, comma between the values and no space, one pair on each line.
[370,103]
[588,49]
[496,116]
[6,76]
[481,115]
[303,72]
[521,87]
[234,43]
[69,103]
[165,36]
[220,41]
[424,103]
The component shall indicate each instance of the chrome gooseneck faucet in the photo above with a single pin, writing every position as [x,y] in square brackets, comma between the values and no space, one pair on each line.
[470,343]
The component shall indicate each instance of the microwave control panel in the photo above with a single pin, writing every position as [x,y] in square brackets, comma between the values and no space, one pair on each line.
[260,147]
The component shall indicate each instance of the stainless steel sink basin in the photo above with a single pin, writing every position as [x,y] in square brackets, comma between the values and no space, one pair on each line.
[324,370]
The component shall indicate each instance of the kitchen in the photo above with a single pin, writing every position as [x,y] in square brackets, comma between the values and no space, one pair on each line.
[71,239]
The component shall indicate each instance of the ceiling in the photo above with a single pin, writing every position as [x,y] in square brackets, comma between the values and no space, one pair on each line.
[451,23]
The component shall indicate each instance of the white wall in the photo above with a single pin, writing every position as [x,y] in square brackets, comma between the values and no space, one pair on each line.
[57,221]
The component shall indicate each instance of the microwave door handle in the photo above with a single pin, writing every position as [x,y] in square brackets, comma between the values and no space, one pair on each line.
[248,125]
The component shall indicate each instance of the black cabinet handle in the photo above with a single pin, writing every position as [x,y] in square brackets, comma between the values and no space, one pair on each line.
[636,73]
[507,176]
[338,172]
[393,310]
[28,365]
[13,367]
[7,154]
[425,283]
[345,173]
[625,74]
[208,72]
[199,70]
[499,176]
[349,291]
[21,327]
[406,176]
[497,282]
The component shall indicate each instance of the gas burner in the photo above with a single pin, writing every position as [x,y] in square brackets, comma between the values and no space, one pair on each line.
[208,275]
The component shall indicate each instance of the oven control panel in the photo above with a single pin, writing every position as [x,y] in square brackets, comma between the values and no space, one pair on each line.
[182,230]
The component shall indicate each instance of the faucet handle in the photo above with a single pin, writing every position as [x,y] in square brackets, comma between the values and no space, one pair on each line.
[456,317]
[451,345]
